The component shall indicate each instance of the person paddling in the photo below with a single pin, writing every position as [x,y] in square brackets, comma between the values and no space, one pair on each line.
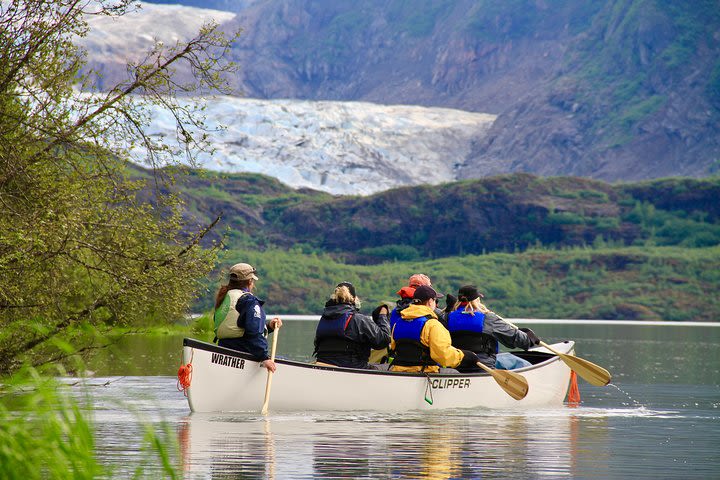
[239,317]
[420,343]
[474,327]
[406,295]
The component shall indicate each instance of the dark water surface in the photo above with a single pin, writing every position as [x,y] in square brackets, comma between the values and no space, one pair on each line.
[660,418]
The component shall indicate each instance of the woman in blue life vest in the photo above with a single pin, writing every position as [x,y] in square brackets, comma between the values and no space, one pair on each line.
[344,336]
[420,342]
[239,316]
[474,327]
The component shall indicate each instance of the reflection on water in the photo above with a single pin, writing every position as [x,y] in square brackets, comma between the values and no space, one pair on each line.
[590,441]
[571,443]
[661,421]
[377,446]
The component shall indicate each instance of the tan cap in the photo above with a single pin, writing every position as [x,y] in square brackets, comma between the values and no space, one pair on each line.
[243,271]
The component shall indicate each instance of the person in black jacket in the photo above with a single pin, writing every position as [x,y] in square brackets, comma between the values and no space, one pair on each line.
[344,336]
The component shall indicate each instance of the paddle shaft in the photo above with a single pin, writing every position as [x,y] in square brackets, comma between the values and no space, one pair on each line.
[591,373]
[513,383]
[266,402]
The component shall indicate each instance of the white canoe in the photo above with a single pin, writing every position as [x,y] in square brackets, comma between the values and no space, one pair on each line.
[225,380]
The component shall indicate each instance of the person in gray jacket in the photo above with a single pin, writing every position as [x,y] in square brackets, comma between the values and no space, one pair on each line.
[474,327]
[344,336]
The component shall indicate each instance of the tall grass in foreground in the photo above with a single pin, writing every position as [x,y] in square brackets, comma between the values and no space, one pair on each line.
[46,433]
[43,432]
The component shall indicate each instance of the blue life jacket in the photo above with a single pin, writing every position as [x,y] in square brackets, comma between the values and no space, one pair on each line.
[466,331]
[409,349]
[394,317]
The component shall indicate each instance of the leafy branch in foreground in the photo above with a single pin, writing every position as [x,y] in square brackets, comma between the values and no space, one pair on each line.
[81,249]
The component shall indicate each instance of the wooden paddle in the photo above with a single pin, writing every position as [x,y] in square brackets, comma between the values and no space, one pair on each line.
[513,383]
[593,374]
[269,377]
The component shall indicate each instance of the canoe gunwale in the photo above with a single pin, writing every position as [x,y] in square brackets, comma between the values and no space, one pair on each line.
[193,343]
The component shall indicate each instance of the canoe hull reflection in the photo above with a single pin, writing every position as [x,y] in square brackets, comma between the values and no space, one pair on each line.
[224,380]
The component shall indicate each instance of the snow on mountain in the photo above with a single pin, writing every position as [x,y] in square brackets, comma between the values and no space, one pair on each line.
[338,147]
[131,35]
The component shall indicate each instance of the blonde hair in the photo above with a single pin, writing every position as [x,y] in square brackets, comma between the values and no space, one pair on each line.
[342,295]
[474,306]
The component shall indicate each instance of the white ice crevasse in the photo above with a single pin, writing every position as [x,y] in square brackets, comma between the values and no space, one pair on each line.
[338,147]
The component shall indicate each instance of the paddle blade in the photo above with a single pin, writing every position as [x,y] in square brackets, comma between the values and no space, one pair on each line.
[513,383]
[591,373]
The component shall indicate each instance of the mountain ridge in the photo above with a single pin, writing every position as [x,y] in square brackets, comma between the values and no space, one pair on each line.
[618,90]
[507,213]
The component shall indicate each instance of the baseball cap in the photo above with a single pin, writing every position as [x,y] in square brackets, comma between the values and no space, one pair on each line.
[349,286]
[425,292]
[243,271]
[468,293]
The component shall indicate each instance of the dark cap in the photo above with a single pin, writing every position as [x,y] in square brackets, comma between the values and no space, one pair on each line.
[425,292]
[468,293]
[349,286]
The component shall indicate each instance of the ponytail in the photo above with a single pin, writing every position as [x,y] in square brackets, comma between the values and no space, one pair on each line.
[231,285]
[475,306]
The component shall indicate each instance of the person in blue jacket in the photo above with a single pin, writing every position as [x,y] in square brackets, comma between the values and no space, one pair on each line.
[344,336]
[474,327]
[239,317]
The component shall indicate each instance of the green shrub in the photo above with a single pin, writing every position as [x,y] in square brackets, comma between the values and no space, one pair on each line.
[401,253]
[565,218]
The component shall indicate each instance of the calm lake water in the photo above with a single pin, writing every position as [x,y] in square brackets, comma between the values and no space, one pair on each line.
[660,418]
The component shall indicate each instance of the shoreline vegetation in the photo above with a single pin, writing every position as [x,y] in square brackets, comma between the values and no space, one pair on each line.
[537,247]
[628,283]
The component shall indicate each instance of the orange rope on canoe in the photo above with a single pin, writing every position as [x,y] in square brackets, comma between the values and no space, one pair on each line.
[185,375]
[573,397]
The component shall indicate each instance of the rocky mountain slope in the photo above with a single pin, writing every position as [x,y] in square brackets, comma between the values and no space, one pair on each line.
[337,147]
[624,89]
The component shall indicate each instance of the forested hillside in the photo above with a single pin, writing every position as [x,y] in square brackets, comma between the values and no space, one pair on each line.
[635,283]
[504,213]
[559,247]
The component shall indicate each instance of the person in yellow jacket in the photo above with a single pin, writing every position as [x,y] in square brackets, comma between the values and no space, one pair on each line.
[420,342]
